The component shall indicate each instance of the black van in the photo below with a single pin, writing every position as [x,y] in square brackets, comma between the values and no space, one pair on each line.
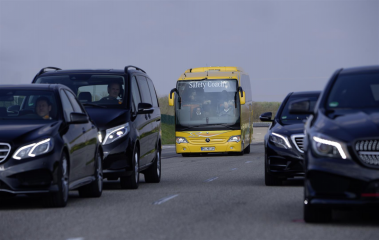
[124,106]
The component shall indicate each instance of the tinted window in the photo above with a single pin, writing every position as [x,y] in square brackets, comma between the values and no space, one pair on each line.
[152,93]
[74,102]
[355,91]
[287,118]
[67,107]
[135,92]
[144,89]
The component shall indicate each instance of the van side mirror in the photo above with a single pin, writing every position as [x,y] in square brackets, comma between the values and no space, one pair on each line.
[78,117]
[145,108]
[300,107]
[266,117]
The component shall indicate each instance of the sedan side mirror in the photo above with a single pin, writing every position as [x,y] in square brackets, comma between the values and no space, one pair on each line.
[79,117]
[145,108]
[14,108]
[266,117]
[300,107]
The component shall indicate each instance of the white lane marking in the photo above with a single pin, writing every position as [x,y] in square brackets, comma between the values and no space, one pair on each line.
[79,238]
[248,162]
[234,169]
[166,147]
[160,201]
[211,179]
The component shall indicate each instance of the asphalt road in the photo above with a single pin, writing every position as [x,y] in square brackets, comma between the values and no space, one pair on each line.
[207,197]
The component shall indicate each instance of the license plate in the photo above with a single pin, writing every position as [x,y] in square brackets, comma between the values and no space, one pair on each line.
[1,167]
[207,148]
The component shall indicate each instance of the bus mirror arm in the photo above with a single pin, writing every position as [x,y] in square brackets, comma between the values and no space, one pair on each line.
[179,98]
[235,100]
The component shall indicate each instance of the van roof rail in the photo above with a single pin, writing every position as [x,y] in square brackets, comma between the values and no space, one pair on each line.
[129,66]
[43,70]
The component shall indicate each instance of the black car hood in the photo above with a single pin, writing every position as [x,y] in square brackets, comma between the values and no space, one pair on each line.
[349,125]
[26,132]
[105,118]
[288,130]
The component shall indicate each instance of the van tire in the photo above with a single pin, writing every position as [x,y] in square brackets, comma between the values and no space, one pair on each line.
[153,173]
[132,181]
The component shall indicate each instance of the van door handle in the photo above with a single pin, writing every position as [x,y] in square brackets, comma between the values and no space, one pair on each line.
[146,116]
[84,131]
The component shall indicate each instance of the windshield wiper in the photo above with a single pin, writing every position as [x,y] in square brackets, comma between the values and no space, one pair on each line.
[224,125]
[93,105]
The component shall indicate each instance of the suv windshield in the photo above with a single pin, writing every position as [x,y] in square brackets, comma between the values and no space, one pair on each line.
[286,118]
[92,89]
[31,105]
[354,92]
[207,104]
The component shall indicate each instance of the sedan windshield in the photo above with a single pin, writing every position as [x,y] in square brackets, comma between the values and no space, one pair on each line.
[207,104]
[27,104]
[91,89]
[355,92]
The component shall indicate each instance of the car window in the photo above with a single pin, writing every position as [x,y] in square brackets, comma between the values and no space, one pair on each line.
[289,118]
[144,90]
[67,107]
[153,93]
[74,102]
[135,93]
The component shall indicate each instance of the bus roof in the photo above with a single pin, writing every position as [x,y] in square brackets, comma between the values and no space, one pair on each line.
[211,73]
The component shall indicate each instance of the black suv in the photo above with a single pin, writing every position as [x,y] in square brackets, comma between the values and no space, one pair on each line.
[341,144]
[284,140]
[124,106]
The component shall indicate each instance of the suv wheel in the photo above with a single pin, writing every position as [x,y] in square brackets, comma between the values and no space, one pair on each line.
[314,214]
[95,188]
[153,174]
[132,181]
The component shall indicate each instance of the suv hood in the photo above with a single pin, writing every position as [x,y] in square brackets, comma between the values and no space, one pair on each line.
[105,118]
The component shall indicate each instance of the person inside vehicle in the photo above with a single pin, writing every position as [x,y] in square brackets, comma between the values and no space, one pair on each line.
[43,107]
[114,90]
[226,110]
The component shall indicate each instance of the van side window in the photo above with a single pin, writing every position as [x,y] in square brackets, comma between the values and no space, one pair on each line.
[153,93]
[144,90]
[136,94]
[67,107]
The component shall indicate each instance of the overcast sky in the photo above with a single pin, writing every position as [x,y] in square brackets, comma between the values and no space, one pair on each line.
[283,45]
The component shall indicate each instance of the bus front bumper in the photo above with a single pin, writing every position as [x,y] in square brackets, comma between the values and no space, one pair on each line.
[208,147]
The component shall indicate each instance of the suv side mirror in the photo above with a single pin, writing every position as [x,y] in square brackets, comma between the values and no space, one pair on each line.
[266,117]
[79,117]
[300,107]
[145,108]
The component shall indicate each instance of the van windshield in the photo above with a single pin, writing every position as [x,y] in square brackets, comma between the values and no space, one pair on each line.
[92,89]
[207,104]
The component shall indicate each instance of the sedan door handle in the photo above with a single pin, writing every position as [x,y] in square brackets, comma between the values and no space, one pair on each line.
[146,116]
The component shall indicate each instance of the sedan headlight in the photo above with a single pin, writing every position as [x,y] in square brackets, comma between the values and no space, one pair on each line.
[115,133]
[180,140]
[34,149]
[235,138]
[280,140]
[326,147]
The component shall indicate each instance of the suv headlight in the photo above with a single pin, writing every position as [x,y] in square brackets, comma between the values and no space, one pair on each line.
[236,138]
[324,146]
[280,140]
[180,140]
[115,133]
[34,149]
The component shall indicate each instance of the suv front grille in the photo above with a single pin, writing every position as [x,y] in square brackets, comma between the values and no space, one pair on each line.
[368,152]
[298,140]
[5,148]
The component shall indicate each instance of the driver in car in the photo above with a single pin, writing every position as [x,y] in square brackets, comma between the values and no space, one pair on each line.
[113,91]
[43,107]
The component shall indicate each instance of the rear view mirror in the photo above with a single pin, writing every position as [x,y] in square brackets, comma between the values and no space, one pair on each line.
[79,117]
[266,117]
[300,107]
[145,108]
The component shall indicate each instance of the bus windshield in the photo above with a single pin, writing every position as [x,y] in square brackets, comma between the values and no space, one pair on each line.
[207,105]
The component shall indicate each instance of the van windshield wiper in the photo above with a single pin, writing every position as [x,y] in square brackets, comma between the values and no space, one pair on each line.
[93,105]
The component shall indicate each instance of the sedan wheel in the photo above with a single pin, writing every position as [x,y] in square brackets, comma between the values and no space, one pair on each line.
[95,188]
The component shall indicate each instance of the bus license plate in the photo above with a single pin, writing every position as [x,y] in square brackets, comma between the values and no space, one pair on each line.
[207,148]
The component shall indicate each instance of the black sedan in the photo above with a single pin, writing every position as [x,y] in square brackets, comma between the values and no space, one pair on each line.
[284,140]
[48,145]
[342,144]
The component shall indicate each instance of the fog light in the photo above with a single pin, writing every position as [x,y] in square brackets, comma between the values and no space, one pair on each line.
[231,147]
[305,201]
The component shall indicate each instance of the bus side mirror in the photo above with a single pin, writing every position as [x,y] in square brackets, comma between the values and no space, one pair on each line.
[171,99]
[242,97]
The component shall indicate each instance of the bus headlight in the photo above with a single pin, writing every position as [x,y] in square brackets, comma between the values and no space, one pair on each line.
[236,138]
[180,140]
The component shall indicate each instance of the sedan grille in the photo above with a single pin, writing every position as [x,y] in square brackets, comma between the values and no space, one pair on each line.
[368,152]
[298,140]
[5,148]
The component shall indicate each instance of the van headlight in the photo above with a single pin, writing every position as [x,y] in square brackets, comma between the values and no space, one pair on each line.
[280,140]
[115,133]
[34,149]
[326,147]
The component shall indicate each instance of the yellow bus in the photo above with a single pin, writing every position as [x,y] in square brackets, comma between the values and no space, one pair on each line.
[213,111]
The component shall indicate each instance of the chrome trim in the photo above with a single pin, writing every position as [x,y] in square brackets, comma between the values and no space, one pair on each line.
[23,192]
[294,141]
[9,150]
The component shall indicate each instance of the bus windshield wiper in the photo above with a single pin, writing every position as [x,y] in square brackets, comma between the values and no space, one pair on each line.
[224,125]
[93,105]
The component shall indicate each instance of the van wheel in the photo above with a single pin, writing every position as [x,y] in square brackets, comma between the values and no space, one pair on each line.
[132,181]
[60,198]
[314,214]
[153,174]
[95,188]
[247,150]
